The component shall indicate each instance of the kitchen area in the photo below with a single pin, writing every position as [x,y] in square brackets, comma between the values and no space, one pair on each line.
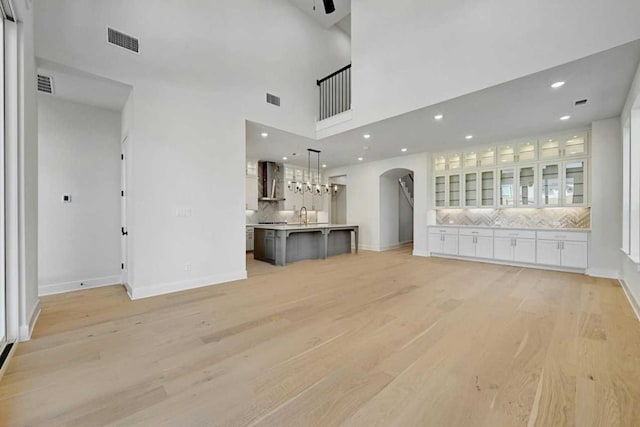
[288,213]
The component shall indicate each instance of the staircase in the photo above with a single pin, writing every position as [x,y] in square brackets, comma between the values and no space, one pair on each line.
[406,186]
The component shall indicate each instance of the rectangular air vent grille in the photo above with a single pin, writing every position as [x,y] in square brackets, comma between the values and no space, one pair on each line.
[272,99]
[123,40]
[580,102]
[45,84]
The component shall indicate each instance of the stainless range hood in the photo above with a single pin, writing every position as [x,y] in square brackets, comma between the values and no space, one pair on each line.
[268,175]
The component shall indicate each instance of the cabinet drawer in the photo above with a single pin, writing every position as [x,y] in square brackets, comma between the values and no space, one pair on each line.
[574,236]
[476,232]
[443,230]
[524,234]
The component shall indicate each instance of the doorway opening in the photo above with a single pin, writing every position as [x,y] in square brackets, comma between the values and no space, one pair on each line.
[338,211]
[396,208]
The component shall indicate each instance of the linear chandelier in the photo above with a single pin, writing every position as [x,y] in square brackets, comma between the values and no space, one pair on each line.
[308,186]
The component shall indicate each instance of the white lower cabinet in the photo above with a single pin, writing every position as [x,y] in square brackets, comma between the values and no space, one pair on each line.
[443,241]
[563,249]
[568,249]
[513,245]
[475,242]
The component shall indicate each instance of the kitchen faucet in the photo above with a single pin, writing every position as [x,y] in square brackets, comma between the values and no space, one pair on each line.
[305,216]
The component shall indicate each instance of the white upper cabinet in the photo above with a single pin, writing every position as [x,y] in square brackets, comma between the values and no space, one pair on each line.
[470,199]
[487,157]
[506,154]
[439,163]
[572,145]
[470,159]
[527,186]
[454,161]
[545,172]
[507,187]
[550,179]
[527,151]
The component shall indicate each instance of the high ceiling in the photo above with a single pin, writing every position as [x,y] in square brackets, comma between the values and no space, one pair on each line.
[524,107]
[343,8]
[75,85]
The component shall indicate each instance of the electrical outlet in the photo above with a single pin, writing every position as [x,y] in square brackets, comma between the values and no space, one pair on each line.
[183,212]
[187,267]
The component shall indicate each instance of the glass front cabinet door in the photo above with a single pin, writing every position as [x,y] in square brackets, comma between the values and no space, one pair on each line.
[550,149]
[575,183]
[506,154]
[488,188]
[454,188]
[507,186]
[576,145]
[527,151]
[527,186]
[487,157]
[470,159]
[550,184]
[440,191]
[470,189]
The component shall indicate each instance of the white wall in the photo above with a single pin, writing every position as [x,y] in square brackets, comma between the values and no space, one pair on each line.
[363,198]
[79,242]
[441,49]
[606,205]
[389,212]
[194,85]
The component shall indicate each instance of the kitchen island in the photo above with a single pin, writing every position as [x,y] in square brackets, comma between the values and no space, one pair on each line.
[280,244]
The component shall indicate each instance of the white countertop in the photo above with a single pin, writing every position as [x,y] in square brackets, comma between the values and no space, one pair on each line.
[499,227]
[288,227]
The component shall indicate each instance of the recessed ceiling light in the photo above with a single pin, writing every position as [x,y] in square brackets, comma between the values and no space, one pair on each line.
[438,117]
[468,137]
[565,117]
[324,166]
[366,136]
[557,85]
[284,158]
[264,134]
[404,150]
[360,158]
[575,136]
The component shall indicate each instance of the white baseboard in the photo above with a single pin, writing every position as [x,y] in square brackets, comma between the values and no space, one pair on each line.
[167,288]
[512,264]
[394,246]
[603,272]
[368,248]
[419,252]
[635,304]
[58,288]
[26,330]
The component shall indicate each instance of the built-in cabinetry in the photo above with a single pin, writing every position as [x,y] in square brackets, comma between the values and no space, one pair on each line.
[564,249]
[251,186]
[539,172]
[443,240]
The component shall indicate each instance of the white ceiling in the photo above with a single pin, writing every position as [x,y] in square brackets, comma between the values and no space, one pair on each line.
[524,107]
[343,8]
[75,85]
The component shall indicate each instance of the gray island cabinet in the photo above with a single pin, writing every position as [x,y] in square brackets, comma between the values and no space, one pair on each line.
[282,244]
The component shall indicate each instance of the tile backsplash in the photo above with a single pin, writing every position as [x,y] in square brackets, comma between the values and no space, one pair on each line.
[271,212]
[517,218]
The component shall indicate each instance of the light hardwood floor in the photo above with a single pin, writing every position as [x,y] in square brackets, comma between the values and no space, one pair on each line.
[357,340]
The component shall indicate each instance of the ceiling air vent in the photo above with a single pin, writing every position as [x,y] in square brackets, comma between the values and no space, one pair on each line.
[580,102]
[123,40]
[45,84]
[272,99]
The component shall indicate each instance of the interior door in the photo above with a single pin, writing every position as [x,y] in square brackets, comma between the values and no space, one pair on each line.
[123,211]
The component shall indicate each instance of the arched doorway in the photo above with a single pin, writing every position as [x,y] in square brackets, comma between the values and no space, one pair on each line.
[396,208]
